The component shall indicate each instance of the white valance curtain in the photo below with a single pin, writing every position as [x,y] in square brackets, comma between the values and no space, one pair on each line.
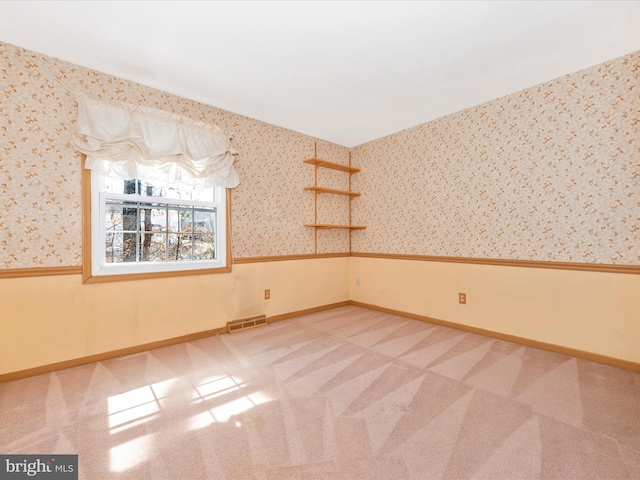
[127,141]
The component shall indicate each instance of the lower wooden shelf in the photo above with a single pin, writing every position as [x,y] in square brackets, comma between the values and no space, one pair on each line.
[324,225]
[332,190]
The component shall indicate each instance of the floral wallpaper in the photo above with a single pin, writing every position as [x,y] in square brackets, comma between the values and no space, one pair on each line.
[40,223]
[550,173]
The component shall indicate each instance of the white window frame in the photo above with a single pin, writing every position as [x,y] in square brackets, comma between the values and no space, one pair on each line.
[100,270]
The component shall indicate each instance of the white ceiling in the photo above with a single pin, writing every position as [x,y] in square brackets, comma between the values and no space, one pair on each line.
[343,71]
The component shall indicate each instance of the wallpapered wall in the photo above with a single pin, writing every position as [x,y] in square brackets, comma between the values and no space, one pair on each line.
[40,224]
[551,173]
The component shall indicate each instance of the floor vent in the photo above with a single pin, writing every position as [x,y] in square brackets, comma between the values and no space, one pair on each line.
[247,323]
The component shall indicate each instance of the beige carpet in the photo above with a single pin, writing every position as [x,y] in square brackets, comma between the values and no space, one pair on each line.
[345,393]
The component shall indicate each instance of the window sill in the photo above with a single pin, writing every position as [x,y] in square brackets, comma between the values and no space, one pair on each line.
[87,278]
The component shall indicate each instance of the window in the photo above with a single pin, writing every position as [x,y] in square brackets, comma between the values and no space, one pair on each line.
[144,227]
[156,192]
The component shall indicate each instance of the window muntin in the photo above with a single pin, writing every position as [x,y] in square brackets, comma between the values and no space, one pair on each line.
[146,226]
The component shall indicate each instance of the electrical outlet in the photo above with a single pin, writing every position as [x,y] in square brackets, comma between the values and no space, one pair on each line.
[462,298]
[267,294]
[357,281]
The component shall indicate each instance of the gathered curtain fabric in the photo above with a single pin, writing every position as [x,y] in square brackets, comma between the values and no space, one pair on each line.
[127,141]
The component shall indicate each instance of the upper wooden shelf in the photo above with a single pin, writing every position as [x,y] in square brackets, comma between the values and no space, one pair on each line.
[332,190]
[325,225]
[334,166]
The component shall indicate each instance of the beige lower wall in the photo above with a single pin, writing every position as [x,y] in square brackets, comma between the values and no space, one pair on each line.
[590,311]
[45,320]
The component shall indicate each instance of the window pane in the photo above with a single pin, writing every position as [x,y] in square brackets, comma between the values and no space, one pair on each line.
[179,247]
[120,247]
[180,219]
[113,247]
[130,221]
[153,247]
[203,247]
[119,216]
[204,220]
[153,217]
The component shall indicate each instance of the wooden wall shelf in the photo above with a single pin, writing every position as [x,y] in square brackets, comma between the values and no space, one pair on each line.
[316,189]
[332,190]
[325,225]
[333,166]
